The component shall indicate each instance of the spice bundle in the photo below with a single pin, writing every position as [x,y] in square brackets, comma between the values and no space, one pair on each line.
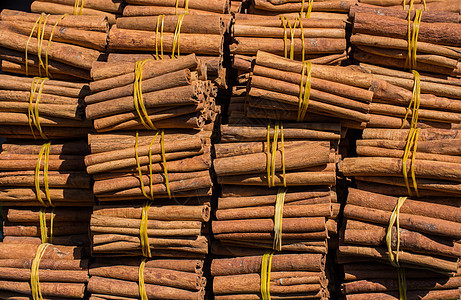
[363,281]
[425,41]
[161,228]
[42,108]
[175,7]
[48,271]
[422,161]
[59,226]
[199,34]
[44,174]
[425,235]
[61,47]
[300,38]
[150,94]
[155,278]
[133,166]
[109,9]
[282,276]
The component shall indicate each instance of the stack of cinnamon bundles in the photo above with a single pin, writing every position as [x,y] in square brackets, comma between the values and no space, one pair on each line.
[59,226]
[42,108]
[40,173]
[163,278]
[363,282]
[159,94]
[427,235]
[173,163]
[425,41]
[292,276]
[60,47]
[433,168]
[30,271]
[175,7]
[109,9]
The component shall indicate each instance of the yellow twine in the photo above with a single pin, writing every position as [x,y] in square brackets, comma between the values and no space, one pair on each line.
[186,7]
[411,4]
[309,9]
[285,23]
[43,154]
[151,183]
[77,10]
[144,237]
[304,92]
[268,155]
[165,171]
[44,228]
[177,33]
[394,259]
[32,112]
[34,278]
[138,98]
[283,155]
[266,265]
[42,18]
[40,36]
[271,152]
[274,152]
[278,218]
[49,43]
[142,286]
[412,37]
[161,36]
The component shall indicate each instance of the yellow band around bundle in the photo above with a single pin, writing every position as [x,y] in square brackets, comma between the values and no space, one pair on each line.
[304,90]
[411,4]
[36,89]
[138,98]
[292,28]
[271,152]
[160,24]
[34,278]
[266,265]
[78,7]
[177,33]
[43,154]
[141,285]
[165,170]
[186,7]
[278,219]
[43,228]
[309,9]
[144,237]
[412,36]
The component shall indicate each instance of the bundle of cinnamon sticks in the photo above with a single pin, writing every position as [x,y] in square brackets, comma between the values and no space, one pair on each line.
[155,93]
[42,108]
[173,230]
[44,174]
[175,7]
[109,9]
[427,42]
[59,226]
[162,278]
[177,164]
[288,276]
[426,236]
[54,272]
[381,159]
[322,41]
[61,47]
[363,281]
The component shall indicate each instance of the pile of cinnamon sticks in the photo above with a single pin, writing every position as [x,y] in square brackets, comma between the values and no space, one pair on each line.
[109,9]
[61,47]
[57,272]
[428,41]
[157,94]
[42,108]
[59,226]
[163,278]
[37,173]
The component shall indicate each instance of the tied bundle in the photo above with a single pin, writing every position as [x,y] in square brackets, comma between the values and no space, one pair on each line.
[42,108]
[175,7]
[331,9]
[147,278]
[145,165]
[58,226]
[288,219]
[172,34]
[109,9]
[44,174]
[270,276]
[153,229]
[363,281]
[151,95]
[60,47]
[421,162]
[402,231]
[417,40]
[430,5]
[322,41]
[280,155]
[30,271]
